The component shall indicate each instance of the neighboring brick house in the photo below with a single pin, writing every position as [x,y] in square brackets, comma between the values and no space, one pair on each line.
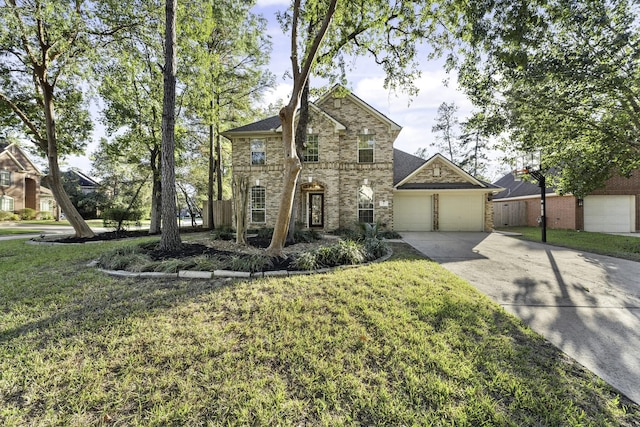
[351,173]
[613,208]
[20,182]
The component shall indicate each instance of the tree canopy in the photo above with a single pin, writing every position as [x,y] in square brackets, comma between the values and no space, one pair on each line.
[563,76]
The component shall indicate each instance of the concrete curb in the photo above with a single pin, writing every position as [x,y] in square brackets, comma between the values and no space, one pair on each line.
[188,274]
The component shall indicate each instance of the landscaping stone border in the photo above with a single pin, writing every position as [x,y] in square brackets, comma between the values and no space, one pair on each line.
[189,274]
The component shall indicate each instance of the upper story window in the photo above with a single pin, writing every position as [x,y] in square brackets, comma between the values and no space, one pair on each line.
[366,145]
[6,203]
[5,178]
[310,153]
[365,204]
[258,152]
[258,204]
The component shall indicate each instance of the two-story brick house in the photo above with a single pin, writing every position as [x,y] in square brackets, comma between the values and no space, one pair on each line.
[351,173]
[20,182]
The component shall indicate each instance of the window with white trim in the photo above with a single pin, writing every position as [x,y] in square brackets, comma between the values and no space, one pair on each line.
[46,205]
[366,145]
[258,152]
[365,204]
[258,205]
[5,178]
[310,153]
[6,203]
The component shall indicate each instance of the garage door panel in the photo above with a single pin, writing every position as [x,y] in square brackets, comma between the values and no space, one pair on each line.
[459,212]
[609,214]
[412,212]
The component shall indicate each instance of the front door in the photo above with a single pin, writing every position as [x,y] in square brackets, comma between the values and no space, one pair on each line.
[316,210]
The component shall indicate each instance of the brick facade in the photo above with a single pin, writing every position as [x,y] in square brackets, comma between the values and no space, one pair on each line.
[24,187]
[337,175]
[340,120]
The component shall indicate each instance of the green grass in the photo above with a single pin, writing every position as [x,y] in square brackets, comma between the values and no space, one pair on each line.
[12,230]
[91,222]
[402,342]
[626,247]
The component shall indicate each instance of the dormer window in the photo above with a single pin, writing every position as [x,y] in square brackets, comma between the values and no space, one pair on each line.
[5,178]
[366,145]
[258,152]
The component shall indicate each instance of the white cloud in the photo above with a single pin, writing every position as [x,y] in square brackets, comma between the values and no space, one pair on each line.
[269,3]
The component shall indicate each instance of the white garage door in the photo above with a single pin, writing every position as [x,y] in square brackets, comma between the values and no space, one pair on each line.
[412,212]
[461,212]
[610,214]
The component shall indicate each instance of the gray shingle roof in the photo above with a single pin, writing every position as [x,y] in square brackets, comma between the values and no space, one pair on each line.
[264,125]
[513,188]
[404,164]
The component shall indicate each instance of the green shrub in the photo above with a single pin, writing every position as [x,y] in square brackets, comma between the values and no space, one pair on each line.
[389,234]
[123,258]
[8,216]
[249,263]
[120,218]
[45,216]
[27,214]
[223,233]
[347,233]
[374,249]
[307,260]
[306,236]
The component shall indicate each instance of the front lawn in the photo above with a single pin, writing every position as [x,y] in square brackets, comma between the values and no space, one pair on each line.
[402,342]
[626,247]
[15,230]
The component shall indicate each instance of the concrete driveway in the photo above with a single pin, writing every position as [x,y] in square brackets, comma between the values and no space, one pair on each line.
[587,305]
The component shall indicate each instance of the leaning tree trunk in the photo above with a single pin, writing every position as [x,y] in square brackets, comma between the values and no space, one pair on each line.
[79,225]
[292,167]
[170,238]
[301,139]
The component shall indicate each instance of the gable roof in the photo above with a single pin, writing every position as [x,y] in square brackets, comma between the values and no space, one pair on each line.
[270,124]
[84,180]
[513,188]
[4,149]
[392,125]
[337,125]
[406,165]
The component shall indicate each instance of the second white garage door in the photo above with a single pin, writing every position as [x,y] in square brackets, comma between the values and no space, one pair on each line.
[461,212]
[412,212]
[611,214]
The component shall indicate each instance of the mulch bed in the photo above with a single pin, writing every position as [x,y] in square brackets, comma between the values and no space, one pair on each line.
[186,250]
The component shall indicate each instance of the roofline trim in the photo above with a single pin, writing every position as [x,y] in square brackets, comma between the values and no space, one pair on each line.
[457,169]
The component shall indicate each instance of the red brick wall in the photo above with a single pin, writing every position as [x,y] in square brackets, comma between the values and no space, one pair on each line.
[561,212]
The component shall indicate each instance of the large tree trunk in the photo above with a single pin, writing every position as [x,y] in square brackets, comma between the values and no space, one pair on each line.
[240,186]
[212,166]
[218,162]
[156,194]
[77,222]
[170,238]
